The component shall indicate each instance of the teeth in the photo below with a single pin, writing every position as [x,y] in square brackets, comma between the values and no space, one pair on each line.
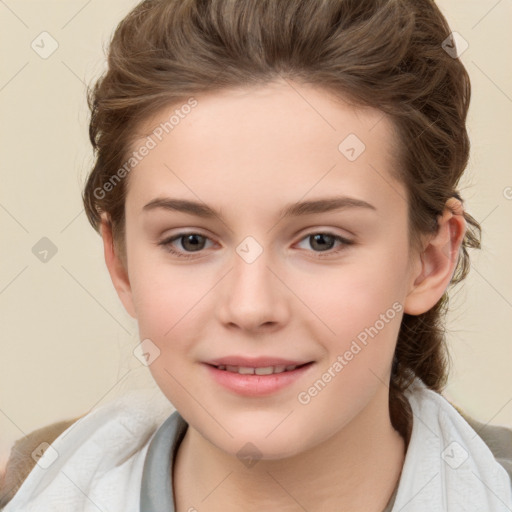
[267,370]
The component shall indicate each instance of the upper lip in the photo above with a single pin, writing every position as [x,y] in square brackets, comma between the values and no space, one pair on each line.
[255,362]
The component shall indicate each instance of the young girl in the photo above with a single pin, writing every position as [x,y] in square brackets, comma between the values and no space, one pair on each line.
[275,185]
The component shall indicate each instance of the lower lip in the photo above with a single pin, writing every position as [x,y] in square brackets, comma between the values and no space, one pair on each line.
[257,385]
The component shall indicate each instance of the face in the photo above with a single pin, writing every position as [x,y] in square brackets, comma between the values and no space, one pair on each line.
[247,278]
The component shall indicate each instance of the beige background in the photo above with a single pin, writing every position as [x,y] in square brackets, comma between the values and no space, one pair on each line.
[66,340]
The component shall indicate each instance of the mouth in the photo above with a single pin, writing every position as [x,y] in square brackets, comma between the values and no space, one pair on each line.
[257,379]
[260,370]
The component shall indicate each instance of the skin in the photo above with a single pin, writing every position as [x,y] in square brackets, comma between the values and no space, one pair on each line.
[247,153]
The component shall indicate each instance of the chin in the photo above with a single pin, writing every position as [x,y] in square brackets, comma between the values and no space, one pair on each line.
[255,443]
[250,452]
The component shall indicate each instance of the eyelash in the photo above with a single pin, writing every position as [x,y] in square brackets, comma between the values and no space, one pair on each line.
[166,244]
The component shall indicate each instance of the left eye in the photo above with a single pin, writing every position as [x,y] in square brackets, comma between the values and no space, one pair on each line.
[195,242]
[325,242]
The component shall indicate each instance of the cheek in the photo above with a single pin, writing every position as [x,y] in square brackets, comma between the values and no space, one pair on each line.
[163,296]
[360,311]
[354,295]
[168,310]
[165,307]
[357,314]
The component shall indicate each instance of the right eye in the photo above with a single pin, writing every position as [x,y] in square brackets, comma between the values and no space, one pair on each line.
[188,240]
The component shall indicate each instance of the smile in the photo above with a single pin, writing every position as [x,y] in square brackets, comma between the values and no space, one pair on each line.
[266,370]
[258,380]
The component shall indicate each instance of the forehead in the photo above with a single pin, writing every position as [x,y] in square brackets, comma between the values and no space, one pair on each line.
[281,139]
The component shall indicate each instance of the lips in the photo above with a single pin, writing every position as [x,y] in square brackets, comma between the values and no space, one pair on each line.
[260,370]
[256,366]
[257,377]
[255,362]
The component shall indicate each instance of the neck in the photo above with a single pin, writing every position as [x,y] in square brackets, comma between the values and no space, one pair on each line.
[357,469]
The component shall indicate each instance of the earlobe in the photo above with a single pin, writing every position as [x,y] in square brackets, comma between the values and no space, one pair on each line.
[437,261]
[116,268]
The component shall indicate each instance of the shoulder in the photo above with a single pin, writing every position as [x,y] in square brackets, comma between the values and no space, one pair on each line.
[435,406]
[77,449]
[24,455]
[497,437]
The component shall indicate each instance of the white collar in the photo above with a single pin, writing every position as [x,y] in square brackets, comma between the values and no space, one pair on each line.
[100,459]
[448,467]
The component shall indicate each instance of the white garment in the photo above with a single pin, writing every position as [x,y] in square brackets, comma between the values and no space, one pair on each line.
[448,467]
[100,459]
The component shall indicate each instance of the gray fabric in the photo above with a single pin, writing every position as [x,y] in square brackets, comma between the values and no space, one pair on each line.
[497,438]
[156,489]
[156,494]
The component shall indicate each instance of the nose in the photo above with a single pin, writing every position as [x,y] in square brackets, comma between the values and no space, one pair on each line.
[253,296]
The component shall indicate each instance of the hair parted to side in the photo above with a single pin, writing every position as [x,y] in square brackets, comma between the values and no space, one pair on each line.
[384,54]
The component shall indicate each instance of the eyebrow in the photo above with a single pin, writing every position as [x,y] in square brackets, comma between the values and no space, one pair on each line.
[321,205]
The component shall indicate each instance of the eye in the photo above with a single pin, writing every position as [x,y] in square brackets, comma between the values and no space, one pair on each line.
[194,242]
[191,242]
[325,241]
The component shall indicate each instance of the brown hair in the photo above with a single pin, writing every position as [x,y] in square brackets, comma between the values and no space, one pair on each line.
[385,54]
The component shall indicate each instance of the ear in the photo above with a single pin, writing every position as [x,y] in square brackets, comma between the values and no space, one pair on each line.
[116,267]
[438,260]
